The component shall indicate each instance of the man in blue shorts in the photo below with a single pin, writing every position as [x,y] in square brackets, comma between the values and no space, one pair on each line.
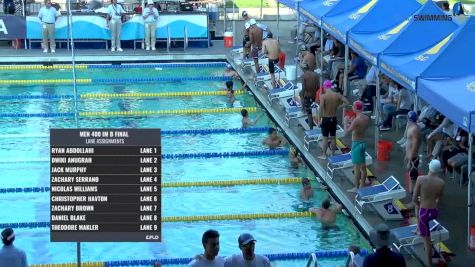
[358,145]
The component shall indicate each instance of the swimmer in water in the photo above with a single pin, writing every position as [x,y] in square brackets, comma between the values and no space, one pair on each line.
[327,215]
[294,156]
[246,122]
[306,192]
[230,72]
[274,140]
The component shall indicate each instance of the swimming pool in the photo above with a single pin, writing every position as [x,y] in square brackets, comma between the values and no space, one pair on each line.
[25,139]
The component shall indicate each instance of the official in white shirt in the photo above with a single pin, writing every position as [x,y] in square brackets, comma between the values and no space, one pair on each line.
[150,16]
[247,258]
[48,15]
[114,15]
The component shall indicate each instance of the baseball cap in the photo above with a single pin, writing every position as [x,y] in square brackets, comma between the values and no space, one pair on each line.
[244,13]
[150,2]
[247,25]
[358,105]
[8,234]
[412,116]
[303,47]
[252,21]
[245,239]
[435,166]
[381,236]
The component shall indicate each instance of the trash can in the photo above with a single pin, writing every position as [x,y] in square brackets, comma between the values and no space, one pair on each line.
[384,150]
[281,63]
[228,39]
[291,73]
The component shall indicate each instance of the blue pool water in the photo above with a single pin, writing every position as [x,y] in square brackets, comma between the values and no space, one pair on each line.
[179,239]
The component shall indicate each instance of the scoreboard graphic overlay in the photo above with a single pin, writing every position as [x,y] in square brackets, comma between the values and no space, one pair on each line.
[105,185]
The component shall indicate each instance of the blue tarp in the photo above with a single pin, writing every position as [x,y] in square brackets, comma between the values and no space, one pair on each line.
[380,27]
[340,19]
[455,98]
[316,9]
[419,36]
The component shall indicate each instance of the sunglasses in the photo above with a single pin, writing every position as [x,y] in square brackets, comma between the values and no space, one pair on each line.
[248,245]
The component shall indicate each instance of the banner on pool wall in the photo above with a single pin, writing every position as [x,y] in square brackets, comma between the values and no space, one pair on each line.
[12,27]
[95,27]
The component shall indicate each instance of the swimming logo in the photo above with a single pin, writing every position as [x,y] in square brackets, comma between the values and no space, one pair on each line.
[363,10]
[435,49]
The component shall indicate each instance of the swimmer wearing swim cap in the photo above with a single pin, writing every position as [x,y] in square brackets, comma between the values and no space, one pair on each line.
[330,102]
[411,158]
[358,128]
[427,194]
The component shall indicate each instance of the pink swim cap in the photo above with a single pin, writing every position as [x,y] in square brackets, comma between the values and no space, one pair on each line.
[358,105]
[327,84]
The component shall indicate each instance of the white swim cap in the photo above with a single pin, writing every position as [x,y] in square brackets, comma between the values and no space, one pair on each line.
[435,166]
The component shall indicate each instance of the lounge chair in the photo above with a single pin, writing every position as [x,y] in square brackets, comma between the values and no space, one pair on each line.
[286,90]
[264,75]
[387,191]
[343,161]
[405,235]
[315,135]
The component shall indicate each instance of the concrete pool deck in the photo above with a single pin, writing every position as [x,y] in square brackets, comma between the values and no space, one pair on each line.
[453,210]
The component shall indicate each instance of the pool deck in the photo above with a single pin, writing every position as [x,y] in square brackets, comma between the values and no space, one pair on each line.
[453,210]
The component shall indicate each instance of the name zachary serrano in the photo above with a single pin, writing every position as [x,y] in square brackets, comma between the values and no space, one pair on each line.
[78,179]
[76,188]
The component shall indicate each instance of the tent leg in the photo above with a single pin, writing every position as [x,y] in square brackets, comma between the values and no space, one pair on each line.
[321,56]
[469,197]
[376,111]
[345,72]
[278,21]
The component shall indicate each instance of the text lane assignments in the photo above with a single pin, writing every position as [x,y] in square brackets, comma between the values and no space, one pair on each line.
[105,185]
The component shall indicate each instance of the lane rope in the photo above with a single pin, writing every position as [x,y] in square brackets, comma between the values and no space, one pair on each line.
[336,253]
[232,154]
[126,113]
[117,80]
[194,218]
[261,181]
[113,66]
[164,132]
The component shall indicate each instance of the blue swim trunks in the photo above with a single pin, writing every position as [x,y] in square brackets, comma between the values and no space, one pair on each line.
[358,151]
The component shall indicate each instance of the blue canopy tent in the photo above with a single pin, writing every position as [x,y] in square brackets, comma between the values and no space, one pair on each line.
[453,97]
[316,9]
[340,19]
[418,36]
[369,39]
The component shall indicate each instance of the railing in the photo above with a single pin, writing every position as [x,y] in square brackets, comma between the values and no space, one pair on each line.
[185,41]
[312,260]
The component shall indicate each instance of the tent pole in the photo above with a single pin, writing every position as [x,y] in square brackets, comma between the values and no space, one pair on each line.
[376,110]
[345,71]
[234,24]
[224,18]
[469,197]
[260,17]
[321,56]
[298,26]
[278,20]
